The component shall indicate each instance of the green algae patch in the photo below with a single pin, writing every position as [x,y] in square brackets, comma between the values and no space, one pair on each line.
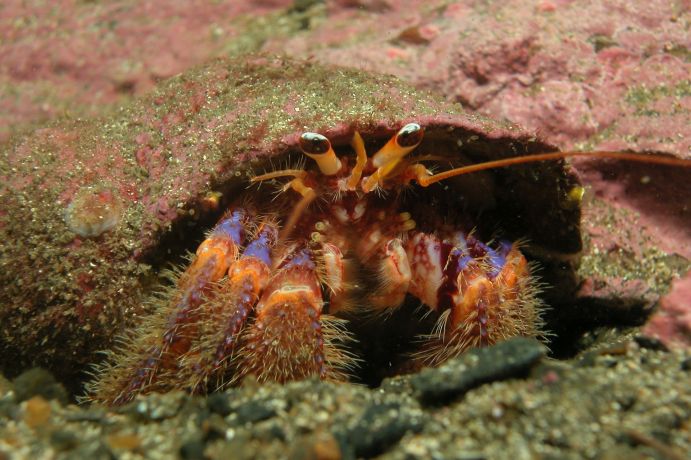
[643,97]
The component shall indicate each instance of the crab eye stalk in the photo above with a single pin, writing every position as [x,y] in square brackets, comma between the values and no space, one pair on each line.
[410,135]
[319,149]
[400,145]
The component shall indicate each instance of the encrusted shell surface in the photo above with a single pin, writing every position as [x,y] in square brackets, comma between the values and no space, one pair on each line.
[67,294]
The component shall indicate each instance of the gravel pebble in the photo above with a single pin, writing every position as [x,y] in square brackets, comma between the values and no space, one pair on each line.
[631,404]
[508,359]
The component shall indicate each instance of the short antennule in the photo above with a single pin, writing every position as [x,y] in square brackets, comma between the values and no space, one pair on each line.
[319,149]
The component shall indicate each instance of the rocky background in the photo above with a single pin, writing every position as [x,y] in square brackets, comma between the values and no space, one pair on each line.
[581,74]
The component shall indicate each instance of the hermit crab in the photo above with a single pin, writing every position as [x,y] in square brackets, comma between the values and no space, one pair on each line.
[268,293]
[339,194]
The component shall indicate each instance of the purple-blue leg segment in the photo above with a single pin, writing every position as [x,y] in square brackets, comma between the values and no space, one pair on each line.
[246,281]
[210,264]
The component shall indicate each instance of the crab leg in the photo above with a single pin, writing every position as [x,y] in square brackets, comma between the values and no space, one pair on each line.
[286,341]
[146,359]
[211,262]
[225,315]
[483,295]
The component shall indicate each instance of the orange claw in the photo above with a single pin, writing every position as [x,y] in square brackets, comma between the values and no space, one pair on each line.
[473,304]
[514,271]
[394,277]
[214,256]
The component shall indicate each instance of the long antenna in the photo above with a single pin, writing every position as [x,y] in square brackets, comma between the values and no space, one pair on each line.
[641,158]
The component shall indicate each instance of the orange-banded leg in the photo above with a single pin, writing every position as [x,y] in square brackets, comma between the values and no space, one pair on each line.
[495,298]
[148,361]
[288,339]
[483,294]
[224,316]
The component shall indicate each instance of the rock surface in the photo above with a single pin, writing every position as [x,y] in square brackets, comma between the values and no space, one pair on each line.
[74,56]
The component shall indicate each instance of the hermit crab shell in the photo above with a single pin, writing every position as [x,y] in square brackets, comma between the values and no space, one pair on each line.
[93,211]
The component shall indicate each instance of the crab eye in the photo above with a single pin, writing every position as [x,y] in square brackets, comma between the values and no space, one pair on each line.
[410,135]
[314,144]
[319,149]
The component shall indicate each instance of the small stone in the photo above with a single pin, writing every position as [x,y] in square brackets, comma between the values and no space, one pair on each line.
[270,431]
[38,382]
[90,414]
[63,440]
[213,427]
[379,427]
[155,406]
[193,450]
[326,448]
[124,441]
[218,403]
[254,411]
[508,359]
[318,446]
[37,412]
[651,343]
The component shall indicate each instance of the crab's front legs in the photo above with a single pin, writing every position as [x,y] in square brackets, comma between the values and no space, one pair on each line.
[225,315]
[482,295]
[148,362]
[286,342]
